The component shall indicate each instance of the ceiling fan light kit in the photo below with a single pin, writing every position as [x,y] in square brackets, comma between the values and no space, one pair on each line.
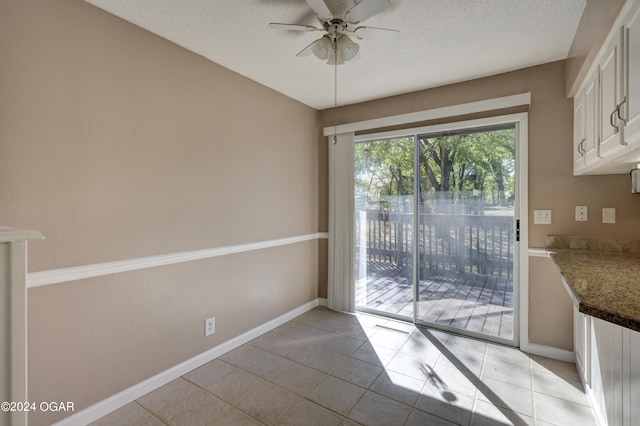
[338,19]
[347,49]
[322,48]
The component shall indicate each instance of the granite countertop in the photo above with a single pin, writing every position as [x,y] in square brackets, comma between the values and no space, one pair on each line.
[602,276]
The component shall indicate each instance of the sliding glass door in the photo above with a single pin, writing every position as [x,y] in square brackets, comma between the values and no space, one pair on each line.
[466,240]
[384,223]
[435,229]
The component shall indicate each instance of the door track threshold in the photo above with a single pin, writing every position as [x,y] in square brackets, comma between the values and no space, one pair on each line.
[393,329]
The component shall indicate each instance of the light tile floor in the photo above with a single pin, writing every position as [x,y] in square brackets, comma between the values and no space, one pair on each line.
[328,368]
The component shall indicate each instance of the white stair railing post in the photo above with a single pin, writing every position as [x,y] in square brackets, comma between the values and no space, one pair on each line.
[13,288]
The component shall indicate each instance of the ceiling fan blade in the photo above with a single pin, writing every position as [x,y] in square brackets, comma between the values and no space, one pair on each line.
[292,27]
[366,9]
[375,34]
[321,9]
[307,50]
[321,48]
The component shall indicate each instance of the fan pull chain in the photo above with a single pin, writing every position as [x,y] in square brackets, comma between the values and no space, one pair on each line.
[335,91]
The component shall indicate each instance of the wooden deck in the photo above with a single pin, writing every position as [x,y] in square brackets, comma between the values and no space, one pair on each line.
[474,302]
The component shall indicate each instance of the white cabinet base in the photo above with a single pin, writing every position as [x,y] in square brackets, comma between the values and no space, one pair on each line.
[608,362]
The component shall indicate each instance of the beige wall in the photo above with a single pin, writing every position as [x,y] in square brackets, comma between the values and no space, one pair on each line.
[551,309]
[93,338]
[595,23]
[114,132]
[551,181]
[117,144]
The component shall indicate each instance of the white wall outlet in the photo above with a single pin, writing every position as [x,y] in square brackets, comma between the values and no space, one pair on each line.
[608,215]
[542,217]
[582,213]
[209,326]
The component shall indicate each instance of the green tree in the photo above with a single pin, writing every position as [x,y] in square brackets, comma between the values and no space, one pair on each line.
[384,169]
[453,167]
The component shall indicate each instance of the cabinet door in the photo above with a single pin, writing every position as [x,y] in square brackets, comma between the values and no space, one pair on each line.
[631,391]
[606,370]
[631,106]
[611,140]
[581,327]
[590,144]
[585,127]
[578,133]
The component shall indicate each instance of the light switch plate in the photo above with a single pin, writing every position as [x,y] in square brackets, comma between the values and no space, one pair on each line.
[542,217]
[582,213]
[608,215]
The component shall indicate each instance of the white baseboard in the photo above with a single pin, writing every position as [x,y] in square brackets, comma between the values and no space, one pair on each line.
[549,352]
[106,406]
[597,414]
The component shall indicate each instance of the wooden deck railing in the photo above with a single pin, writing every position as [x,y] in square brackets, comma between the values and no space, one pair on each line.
[463,243]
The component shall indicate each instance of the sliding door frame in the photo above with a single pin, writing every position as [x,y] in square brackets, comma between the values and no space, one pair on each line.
[520,267]
[339,277]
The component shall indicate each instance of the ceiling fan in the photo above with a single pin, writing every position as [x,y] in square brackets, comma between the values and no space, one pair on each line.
[339,20]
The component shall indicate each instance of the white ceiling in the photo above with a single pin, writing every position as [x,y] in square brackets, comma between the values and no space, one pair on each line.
[440,42]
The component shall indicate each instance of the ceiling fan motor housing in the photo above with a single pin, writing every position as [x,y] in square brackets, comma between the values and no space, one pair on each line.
[336,28]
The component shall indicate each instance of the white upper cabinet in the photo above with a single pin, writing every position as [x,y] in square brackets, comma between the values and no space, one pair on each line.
[590,146]
[611,79]
[585,127]
[579,130]
[607,106]
[630,109]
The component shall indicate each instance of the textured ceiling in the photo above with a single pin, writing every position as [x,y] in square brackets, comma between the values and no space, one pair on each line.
[440,42]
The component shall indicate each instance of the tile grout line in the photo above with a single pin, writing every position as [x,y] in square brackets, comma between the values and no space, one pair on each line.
[533,392]
[480,378]
[318,338]
[368,388]
[147,411]
[328,374]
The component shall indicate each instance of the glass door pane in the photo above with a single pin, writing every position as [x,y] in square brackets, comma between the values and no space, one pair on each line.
[465,231]
[384,206]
